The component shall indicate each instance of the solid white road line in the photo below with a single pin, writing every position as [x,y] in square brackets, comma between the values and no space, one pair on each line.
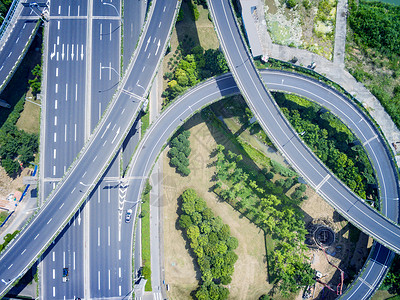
[66,92]
[109,236]
[98,276]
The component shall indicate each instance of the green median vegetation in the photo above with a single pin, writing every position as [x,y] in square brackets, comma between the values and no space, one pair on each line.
[179,153]
[145,228]
[211,244]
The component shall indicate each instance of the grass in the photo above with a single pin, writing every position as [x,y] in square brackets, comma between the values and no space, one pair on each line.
[145,122]
[3,216]
[145,215]
[29,120]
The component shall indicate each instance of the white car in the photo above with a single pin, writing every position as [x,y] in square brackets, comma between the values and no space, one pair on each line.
[128,215]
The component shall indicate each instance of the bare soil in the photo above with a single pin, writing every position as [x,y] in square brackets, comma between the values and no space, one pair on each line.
[29,120]
[250,279]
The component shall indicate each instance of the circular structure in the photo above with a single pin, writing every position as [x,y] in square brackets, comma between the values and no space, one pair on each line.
[324,236]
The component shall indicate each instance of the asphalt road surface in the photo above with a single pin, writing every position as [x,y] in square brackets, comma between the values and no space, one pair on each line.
[93,160]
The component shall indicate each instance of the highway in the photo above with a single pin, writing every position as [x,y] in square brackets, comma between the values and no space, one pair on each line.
[97,270]
[288,142]
[94,158]
[223,86]
[14,44]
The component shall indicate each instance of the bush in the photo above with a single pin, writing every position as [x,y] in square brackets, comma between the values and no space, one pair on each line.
[291,3]
[179,153]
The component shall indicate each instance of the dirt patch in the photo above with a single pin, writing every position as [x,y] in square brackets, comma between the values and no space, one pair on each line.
[9,185]
[250,279]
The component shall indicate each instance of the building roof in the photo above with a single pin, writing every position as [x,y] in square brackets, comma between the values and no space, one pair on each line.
[248,15]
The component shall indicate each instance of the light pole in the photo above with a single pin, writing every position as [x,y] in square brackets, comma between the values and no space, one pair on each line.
[116,10]
[86,184]
[111,68]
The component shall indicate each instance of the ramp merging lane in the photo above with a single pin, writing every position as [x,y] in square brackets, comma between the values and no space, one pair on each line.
[96,154]
[223,86]
[287,141]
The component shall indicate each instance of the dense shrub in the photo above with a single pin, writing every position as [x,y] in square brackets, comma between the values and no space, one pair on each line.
[211,243]
[179,153]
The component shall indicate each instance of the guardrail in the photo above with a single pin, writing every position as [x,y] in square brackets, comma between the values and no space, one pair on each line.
[8,18]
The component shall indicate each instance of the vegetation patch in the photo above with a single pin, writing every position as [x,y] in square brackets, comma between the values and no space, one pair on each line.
[145,228]
[303,24]
[264,202]
[392,280]
[373,51]
[211,243]
[145,119]
[193,55]
[7,239]
[332,142]
[179,153]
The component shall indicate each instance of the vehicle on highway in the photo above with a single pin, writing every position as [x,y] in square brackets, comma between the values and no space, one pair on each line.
[128,215]
[65,274]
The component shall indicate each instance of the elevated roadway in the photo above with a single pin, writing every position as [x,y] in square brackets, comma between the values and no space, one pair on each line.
[223,86]
[16,40]
[97,153]
[349,205]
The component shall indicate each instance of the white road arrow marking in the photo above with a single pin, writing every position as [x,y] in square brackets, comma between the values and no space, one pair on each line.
[62,52]
[72,53]
[53,53]
[108,126]
[158,46]
[116,135]
[148,41]
[82,52]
